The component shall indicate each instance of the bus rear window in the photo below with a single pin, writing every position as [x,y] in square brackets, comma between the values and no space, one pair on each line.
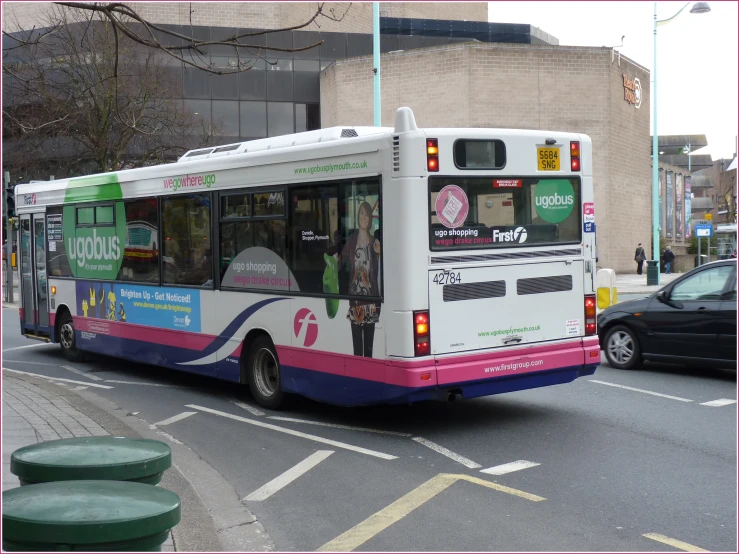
[503,212]
[479,154]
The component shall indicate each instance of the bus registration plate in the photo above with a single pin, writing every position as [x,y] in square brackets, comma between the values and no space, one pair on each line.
[548,159]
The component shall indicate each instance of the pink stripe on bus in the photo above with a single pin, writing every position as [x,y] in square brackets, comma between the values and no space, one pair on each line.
[169,337]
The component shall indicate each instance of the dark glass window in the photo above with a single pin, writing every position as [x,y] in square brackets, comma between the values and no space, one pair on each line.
[314,232]
[307,81]
[269,204]
[307,117]
[253,119]
[252,251]
[281,39]
[58,263]
[141,252]
[196,83]
[479,154]
[223,33]
[306,38]
[253,83]
[280,118]
[280,80]
[503,212]
[235,205]
[186,240]
[226,117]
[225,86]
[200,110]
[333,47]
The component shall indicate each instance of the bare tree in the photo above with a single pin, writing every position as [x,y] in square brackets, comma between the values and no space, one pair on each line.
[97,101]
[90,88]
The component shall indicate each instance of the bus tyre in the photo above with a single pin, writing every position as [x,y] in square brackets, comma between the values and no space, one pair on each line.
[263,371]
[68,341]
[622,347]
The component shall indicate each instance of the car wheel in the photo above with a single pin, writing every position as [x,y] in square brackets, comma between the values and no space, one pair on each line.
[264,373]
[622,348]
[68,341]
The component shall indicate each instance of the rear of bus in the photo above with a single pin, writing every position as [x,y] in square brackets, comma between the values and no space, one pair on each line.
[509,261]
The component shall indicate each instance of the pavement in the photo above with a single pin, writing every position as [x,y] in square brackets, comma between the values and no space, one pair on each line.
[213,518]
[631,283]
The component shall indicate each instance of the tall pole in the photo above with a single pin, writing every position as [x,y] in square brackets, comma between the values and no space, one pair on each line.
[376,60]
[655,153]
[9,247]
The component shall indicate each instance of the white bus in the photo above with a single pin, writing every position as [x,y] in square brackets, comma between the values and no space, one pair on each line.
[350,265]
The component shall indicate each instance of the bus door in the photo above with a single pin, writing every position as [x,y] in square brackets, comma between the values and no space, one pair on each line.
[34,294]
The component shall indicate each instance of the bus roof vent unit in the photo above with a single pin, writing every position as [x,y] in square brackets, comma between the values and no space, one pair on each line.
[284,141]
[405,121]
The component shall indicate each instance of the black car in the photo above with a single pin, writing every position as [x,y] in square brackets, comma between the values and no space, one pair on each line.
[691,320]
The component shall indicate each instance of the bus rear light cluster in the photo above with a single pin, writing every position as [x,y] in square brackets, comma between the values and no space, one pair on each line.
[432,154]
[590,326]
[575,155]
[421,334]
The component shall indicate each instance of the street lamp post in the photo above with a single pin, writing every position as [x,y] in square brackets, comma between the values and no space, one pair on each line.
[698,7]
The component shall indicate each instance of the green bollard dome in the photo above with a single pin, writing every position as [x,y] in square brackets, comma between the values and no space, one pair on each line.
[109,458]
[88,516]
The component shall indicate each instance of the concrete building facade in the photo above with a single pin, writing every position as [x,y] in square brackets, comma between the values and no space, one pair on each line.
[574,89]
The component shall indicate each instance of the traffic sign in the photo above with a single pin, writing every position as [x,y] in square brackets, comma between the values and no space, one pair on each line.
[703,231]
[709,217]
[700,222]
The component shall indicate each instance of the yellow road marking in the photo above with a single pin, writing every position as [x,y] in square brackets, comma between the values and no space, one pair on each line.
[674,542]
[364,531]
[501,488]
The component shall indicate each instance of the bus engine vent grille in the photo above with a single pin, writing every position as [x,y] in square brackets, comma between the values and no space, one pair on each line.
[507,256]
[396,153]
[540,285]
[347,133]
[473,291]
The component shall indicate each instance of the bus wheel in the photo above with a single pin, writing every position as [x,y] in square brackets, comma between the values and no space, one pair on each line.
[67,340]
[264,373]
[622,348]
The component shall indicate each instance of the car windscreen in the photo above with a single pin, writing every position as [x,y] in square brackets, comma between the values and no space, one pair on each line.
[474,213]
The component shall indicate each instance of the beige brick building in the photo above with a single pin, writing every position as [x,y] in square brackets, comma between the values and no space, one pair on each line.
[356,17]
[579,89]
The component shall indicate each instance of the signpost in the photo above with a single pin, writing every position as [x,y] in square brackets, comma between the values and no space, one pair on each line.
[704,228]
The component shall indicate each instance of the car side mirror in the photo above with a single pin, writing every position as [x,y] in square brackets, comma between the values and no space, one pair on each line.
[663,296]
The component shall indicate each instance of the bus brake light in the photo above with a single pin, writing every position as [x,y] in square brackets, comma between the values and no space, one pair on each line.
[575,156]
[590,324]
[432,154]
[421,339]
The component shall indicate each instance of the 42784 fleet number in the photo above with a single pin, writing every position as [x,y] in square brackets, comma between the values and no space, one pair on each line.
[447,278]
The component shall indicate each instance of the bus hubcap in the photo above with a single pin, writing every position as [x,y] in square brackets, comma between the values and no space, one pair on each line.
[67,336]
[621,347]
[266,372]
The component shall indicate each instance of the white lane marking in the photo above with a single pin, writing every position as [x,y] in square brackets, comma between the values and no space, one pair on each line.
[509,468]
[145,384]
[251,409]
[687,547]
[718,403]
[338,426]
[642,390]
[172,419]
[337,444]
[30,363]
[81,387]
[28,346]
[448,453]
[57,379]
[78,372]
[289,476]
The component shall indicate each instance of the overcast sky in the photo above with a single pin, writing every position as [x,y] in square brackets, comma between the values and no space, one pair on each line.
[696,56]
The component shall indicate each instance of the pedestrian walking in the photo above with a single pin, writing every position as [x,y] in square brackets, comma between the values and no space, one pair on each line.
[639,258]
[668,257]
